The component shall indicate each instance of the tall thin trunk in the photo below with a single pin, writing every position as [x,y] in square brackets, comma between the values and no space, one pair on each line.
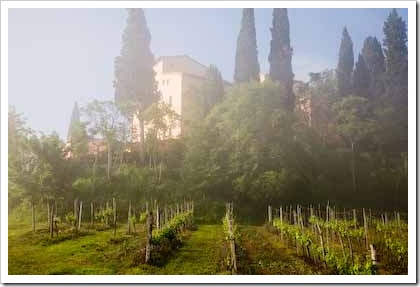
[108,172]
[353,167]
[142,148]
[33,213]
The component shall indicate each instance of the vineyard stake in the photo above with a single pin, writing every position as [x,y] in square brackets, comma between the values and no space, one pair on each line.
[114,207]
[149,230]
[366,228]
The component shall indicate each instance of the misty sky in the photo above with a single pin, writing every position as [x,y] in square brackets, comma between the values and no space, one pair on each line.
[59,56]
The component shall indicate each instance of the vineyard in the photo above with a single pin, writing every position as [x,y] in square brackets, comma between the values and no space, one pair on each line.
[168,240]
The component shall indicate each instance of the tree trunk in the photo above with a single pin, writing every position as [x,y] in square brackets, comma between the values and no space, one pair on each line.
[75,212]
[48,214]
[353,167]
[108,171]
[92,214]
[80,215]
[129,218]
[33,214]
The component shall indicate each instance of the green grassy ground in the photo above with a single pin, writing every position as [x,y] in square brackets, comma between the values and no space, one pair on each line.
[94,253]
[97,252]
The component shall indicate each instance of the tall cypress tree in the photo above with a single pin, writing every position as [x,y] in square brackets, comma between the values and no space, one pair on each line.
[135,87]
[74,121]
[361,79]
[375,63]
[280,56]
[396,58]
[345,65]
[134,74]
[247,67]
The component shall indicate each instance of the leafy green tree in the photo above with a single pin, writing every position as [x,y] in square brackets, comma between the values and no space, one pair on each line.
[280,56]
[322,92]
[375,63]
[135,86]
[361,79]
[345,65]
[160,120]
[353,123]
[247,67]
[396,58]
[105,121]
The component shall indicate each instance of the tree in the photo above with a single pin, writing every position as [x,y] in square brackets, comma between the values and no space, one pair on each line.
[353,123]
[213,89]
[160,119]
[361,79]
[396,58]
[77,136]
[106,121]
[280,56]
[345,65]
[375,63]
[135,87]
[247,67]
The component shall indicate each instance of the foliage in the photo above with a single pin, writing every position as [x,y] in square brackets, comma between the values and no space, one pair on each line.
[247,67]
[375,63]
[361,79]
[396,58]
[135,87]
[345,65]
[280,56]
[212,91]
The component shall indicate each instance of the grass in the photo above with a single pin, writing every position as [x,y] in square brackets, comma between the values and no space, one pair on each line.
[97,252]
[93,253]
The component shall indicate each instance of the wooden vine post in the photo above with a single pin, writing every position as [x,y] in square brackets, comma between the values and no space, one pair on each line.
[229,212]
[114,207]
[365,224]
[149,230]
[270,215]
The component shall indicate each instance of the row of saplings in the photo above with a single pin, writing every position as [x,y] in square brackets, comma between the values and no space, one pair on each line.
[163,226]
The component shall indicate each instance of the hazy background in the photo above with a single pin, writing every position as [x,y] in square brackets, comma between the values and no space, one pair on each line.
[59,56]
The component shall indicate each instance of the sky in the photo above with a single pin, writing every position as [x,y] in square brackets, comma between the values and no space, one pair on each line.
[61,56]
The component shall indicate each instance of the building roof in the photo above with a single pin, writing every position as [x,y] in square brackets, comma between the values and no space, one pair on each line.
[179,56]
